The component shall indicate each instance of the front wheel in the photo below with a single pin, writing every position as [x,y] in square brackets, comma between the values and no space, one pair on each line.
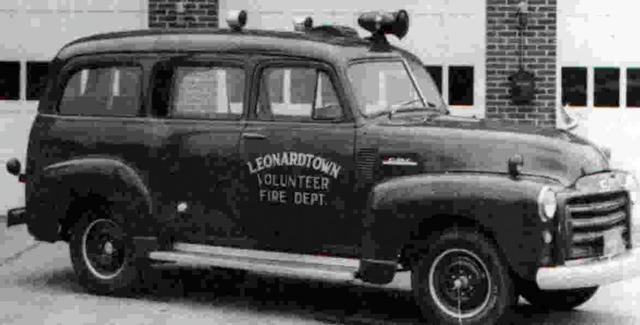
[556,299]
[461,279]
[101,254]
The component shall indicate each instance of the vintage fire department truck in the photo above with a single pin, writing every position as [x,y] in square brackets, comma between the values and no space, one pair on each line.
[314,153]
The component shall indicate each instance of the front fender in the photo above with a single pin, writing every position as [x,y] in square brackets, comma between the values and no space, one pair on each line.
[506,209]
[60,183]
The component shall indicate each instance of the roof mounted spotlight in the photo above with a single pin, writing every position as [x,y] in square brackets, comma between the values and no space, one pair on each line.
[382,23]
[302,24]
[236,19]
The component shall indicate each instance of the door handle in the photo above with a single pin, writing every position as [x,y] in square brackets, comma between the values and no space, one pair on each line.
[254,136]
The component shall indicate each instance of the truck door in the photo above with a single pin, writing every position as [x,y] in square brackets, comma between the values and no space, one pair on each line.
[199,104]
[298,161]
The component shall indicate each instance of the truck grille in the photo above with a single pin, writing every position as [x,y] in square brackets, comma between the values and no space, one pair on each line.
[589,217]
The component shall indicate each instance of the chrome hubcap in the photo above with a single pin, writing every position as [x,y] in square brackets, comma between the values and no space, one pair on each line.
[103,249]
[460,283]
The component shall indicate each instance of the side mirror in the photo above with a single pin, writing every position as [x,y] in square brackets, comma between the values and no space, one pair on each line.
[327,113]
[14,167]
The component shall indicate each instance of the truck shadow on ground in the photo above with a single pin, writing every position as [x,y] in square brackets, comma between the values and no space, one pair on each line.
[311,300]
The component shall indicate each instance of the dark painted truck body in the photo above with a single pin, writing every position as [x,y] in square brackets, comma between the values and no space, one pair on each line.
[352,193]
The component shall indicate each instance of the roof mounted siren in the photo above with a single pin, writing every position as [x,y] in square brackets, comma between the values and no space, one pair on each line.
[237,19]
[382,23]
[302,24]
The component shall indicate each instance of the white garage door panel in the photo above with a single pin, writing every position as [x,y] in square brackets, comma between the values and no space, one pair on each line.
[461,28]
[35,46]
[11,49]
[103,22]
[9,4]
[466,7]
[427,38]
[596,33]
[81,5]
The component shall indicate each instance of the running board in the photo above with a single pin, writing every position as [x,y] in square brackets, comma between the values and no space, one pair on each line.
[277,263]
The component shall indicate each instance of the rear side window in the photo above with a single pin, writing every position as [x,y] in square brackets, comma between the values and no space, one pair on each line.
[207,92]
[103,91]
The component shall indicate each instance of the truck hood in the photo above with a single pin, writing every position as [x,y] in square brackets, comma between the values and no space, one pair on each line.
[447,143]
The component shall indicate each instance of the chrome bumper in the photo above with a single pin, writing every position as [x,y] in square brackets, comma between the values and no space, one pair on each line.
[591,273]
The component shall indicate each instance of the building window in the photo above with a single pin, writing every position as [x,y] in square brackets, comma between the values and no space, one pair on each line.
[9,80]
[36,79]
[436,74]
[461,85]
[633,87]
[108,91]
[606,87]
[574,86]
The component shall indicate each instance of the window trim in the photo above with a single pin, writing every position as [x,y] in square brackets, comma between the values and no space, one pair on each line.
[338,87]
[96,63]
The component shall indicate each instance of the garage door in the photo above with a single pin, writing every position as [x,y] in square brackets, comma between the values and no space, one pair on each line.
[448,35]
[599,63]
[31,32]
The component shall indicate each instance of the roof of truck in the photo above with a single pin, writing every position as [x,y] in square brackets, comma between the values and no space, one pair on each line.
[328,44]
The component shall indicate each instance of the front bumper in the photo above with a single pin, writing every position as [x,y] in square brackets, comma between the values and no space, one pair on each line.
[591,273]
[16,217]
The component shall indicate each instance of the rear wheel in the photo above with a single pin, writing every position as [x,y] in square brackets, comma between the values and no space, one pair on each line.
[102,254]
[555,299]
[461,279]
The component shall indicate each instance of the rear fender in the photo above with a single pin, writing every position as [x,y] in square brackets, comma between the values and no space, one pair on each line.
[61,183]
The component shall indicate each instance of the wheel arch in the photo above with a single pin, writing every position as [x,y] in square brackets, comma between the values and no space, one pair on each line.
[68,187]
[408,209]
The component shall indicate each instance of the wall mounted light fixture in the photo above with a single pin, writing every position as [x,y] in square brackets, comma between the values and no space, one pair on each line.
[523,81]
[523,14]
[181,8]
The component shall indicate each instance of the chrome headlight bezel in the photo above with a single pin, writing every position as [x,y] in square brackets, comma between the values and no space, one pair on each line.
[547,204]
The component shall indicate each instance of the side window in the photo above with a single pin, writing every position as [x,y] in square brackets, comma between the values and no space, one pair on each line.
[103,91]
[297,94]
[207,92]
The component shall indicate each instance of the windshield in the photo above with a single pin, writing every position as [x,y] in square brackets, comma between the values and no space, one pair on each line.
[386,86]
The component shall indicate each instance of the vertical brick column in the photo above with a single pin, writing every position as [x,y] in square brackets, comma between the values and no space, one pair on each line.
[539,59]
[166,14]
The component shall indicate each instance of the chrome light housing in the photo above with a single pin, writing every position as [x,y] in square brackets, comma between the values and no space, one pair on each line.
[547,204]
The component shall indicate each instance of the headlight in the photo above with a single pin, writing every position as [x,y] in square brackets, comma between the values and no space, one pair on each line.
[631,184]
[547,203]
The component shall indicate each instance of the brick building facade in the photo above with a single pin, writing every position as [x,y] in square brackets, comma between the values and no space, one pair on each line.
[540,57]
[183,14]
